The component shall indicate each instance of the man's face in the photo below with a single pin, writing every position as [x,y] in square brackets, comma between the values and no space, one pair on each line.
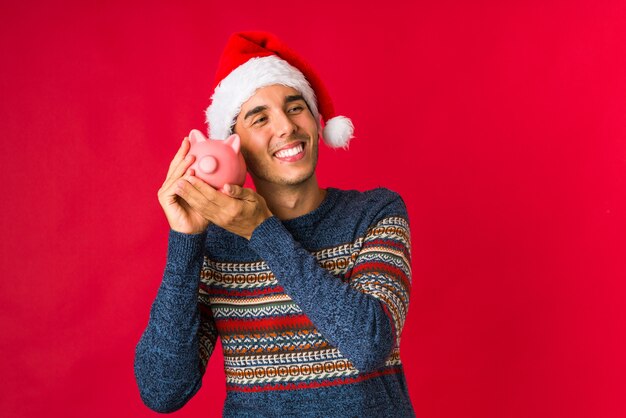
[279,136]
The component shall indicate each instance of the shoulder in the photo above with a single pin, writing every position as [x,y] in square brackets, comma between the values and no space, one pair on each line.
[355,212]
[376,203]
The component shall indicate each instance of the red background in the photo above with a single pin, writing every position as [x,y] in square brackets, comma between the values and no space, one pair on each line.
[503,125]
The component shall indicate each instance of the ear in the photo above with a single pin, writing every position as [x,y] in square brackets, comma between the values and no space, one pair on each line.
[234,142]
[196,136]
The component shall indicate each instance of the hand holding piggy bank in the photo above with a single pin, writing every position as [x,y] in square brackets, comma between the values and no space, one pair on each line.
[217,162]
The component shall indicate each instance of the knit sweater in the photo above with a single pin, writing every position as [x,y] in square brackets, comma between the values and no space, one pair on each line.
[309,312]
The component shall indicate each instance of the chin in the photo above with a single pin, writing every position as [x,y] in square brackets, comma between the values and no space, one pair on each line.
[283,179]
[295,180]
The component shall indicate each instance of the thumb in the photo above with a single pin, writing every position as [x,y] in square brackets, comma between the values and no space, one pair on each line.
[241,193]
[234,190]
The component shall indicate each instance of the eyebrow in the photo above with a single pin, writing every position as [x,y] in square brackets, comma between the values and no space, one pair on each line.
[293,98]
[259,109]
[254,111]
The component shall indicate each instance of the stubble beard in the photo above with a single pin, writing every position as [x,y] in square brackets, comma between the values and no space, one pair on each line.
[263,172]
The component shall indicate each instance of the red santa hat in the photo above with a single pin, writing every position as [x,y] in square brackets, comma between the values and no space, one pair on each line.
[252,60]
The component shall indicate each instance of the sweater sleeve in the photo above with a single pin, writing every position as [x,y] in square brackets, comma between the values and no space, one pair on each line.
[171,355]
[362,317]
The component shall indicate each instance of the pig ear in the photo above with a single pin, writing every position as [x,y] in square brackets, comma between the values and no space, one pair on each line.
[196,136]
[234,142]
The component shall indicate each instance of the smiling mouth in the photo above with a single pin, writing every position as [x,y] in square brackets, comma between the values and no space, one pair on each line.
[292,153]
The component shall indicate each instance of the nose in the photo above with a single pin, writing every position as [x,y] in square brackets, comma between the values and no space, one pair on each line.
[283,125]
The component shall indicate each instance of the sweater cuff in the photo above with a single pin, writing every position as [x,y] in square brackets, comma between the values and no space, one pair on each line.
[271,236]
[184,252]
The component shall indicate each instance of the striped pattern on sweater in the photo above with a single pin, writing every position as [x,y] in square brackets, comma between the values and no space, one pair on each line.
[270,344]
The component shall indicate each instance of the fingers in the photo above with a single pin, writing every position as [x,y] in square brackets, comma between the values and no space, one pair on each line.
[200,197]
[208,201]
[176,168]
[235,209]
[180,154]
[179,165]
[206,190]
[198,193]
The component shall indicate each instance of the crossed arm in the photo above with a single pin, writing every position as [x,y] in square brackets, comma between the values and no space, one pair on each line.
[362,317]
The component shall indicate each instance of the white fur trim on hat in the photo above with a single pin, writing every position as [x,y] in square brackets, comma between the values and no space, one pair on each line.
[338,132]
[241,84]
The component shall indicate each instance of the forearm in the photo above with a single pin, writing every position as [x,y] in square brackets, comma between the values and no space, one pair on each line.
[355,322]
[167,365]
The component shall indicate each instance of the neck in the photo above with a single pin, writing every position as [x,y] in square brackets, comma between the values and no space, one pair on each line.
[288,202]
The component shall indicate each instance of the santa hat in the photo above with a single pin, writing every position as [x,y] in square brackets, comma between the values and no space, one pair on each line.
[252,60]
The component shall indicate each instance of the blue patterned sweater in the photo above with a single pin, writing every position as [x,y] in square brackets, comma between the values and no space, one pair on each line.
[309,313]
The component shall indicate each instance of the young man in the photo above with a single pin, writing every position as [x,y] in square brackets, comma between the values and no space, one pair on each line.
[307,288]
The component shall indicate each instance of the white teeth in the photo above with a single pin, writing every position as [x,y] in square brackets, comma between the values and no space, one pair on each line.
[290,152]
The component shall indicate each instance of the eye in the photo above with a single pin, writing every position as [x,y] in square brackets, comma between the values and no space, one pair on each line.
[260,120]
[296,109]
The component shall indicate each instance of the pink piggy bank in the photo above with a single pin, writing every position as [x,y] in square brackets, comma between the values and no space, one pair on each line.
[217,162]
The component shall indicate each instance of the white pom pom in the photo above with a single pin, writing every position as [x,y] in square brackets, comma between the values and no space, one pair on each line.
[338,131]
